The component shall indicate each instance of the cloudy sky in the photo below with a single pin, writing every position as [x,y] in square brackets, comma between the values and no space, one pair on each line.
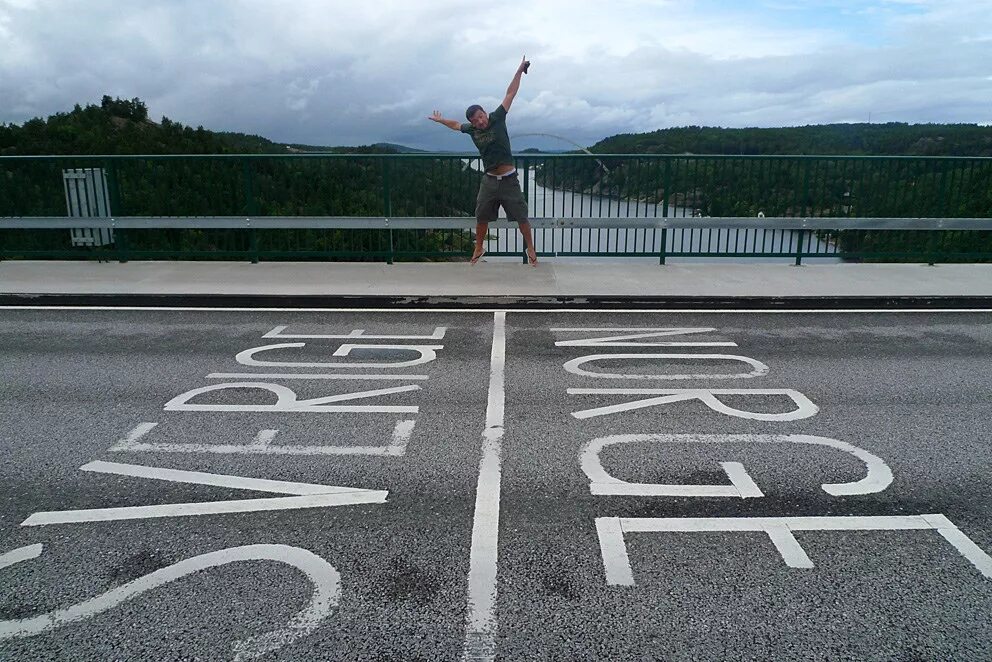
[346,72]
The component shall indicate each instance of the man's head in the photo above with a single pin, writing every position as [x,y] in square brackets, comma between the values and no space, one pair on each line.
[477,117]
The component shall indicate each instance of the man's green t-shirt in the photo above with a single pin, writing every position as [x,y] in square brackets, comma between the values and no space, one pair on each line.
[493,142]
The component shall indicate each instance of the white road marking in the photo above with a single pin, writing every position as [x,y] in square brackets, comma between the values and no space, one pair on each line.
[287,402]
[20,554]
[489,311]
[779,529]
[325,580]
[572,366]
[427,354]
[741,480]
[277,375]
[673,343]
[402,432]
[203,508]
[788,547]
[130,442]
[616,562]
[481,622]
[264,438]
[625,339]
[277,332]
[215,480]
[645,331]
[137,433]
[878,476]
[804,407]
[962,543]
[307,495]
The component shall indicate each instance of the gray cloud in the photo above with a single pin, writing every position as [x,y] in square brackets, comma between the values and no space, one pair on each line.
[349,73]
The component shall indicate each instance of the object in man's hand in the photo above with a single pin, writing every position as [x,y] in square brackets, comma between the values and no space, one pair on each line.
[526,66]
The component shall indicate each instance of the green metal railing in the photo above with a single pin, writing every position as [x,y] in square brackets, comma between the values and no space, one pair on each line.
[650,206]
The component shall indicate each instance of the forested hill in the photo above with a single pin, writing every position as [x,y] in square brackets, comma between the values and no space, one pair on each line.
[892,139]
[121,126]
[225,187]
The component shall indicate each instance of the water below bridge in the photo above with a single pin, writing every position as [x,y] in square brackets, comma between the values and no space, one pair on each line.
[620,242]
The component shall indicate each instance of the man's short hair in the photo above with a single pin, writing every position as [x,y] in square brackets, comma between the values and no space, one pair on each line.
[472,110]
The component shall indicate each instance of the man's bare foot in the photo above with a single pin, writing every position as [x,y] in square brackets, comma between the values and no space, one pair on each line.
[479,252]
[532,258]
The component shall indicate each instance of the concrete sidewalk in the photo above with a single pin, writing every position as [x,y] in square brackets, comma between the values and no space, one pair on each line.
[496,279]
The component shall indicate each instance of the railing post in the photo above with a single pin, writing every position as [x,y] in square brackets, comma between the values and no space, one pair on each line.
[115,189]
[942,206]
[253,244]
[526,178]
[250,209]
[533,232]
[390,256]
[120,241]
[942,194]
[116,209]
[666,185]
[387,202]
[802,212]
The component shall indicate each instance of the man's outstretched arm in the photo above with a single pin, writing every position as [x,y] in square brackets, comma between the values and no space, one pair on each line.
[454,125]
[511,91]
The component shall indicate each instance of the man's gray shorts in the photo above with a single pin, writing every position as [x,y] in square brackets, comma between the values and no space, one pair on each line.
[505,191]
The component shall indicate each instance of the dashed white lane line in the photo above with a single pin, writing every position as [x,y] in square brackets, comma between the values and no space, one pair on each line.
[481,623]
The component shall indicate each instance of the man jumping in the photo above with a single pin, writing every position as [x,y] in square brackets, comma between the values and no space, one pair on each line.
[500,185]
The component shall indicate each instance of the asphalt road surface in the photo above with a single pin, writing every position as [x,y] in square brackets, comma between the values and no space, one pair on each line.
[557,485]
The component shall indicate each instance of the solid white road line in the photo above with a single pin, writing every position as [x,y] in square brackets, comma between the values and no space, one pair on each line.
[604,311]
[481,623]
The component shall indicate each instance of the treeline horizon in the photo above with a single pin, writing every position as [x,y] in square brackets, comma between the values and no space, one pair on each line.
[889,139]
[122,126]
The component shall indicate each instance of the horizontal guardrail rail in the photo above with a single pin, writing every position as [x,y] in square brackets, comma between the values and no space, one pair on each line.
[452,222]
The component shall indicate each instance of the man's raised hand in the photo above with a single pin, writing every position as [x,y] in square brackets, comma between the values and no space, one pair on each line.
[436,116]
[524,64]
